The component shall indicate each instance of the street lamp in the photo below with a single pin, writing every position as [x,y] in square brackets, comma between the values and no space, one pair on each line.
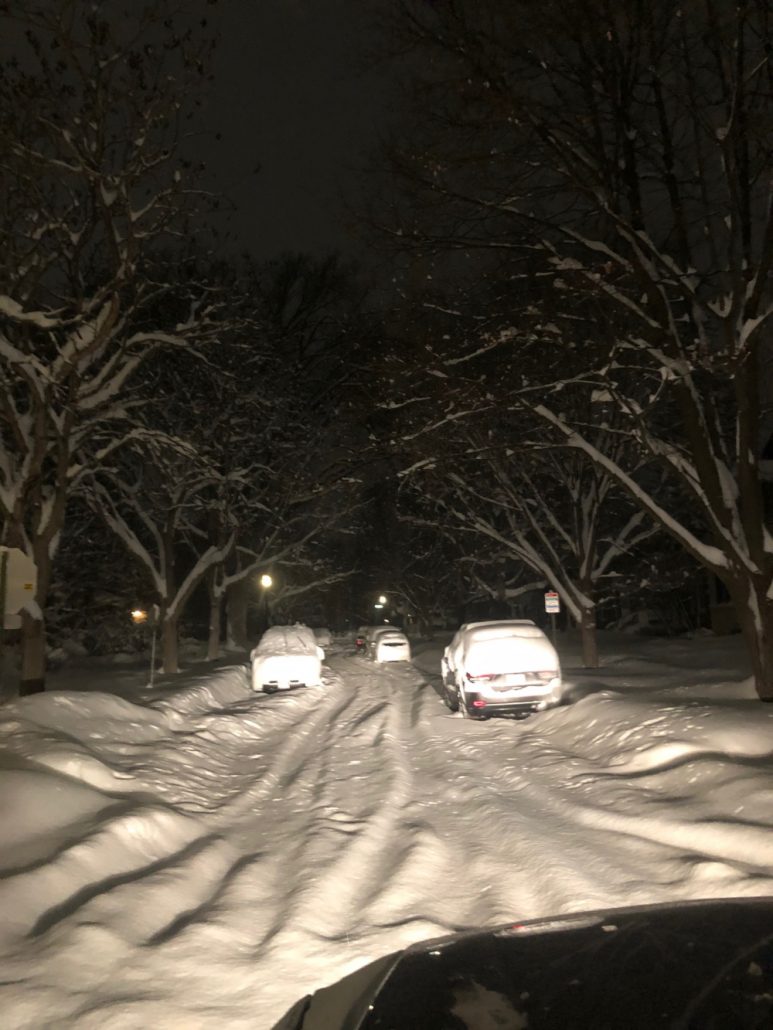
[266,582]
[382,600]
[141,617]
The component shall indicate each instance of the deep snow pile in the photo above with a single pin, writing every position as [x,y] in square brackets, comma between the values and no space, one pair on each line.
[204,856]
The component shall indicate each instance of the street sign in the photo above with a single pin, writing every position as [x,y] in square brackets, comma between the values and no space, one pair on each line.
[552,603]
[21,579]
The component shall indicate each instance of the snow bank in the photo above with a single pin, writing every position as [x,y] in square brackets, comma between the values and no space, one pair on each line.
[206,693]
[64,841]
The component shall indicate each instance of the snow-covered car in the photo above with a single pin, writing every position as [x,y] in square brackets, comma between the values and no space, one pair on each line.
[286,657]
[392,646]
[323,636]
[371,632]
[496,668]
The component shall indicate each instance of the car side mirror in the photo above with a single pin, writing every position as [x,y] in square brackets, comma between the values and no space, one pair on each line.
[320,653]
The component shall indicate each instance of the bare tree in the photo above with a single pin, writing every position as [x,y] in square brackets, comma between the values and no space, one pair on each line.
[556,514]
[91,179]
[226,482]
[630,146]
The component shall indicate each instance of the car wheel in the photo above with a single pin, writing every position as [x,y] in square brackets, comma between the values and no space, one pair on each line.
[463,706]
[450,700]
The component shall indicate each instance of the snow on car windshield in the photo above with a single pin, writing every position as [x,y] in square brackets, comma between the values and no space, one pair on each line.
[503,630]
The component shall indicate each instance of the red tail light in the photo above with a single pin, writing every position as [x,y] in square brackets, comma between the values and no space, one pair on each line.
[479,704]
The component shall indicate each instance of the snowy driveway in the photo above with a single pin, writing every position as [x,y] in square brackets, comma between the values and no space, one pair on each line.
[204,859]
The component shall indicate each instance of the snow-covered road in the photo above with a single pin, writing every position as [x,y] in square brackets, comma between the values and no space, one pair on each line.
[206,856]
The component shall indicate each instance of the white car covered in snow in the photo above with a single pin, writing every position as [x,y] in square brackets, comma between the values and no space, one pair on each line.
[286,657]
[391,646]
[505,667]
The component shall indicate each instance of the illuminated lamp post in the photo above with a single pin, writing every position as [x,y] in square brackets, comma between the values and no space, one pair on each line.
[141,617]
[266,582]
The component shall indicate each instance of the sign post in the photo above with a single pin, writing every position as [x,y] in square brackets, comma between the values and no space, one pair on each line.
[552,607]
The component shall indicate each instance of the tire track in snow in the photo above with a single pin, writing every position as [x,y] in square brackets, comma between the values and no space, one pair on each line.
[299,782]
[377,847]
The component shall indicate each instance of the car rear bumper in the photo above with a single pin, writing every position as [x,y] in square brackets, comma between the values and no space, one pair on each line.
[285,672]
[527,702]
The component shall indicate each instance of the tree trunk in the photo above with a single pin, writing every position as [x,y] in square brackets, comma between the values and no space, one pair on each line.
[590,648]
[755,617]
[236,614]
[169,645]
[215,619]
[33,627]
[33,655]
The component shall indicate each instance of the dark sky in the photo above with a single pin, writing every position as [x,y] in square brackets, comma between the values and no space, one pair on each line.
[291,96]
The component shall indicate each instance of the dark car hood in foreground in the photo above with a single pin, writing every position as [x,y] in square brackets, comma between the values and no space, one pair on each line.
[692,965]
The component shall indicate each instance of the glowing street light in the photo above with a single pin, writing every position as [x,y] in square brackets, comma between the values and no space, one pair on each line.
[266,582]
[141,617]
[382,600]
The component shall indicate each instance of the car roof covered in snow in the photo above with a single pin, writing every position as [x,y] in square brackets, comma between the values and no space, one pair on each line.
[296,639]
[503,628]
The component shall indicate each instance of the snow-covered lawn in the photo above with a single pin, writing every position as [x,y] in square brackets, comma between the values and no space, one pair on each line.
[205,856]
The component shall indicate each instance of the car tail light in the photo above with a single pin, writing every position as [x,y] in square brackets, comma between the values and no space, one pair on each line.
[479,679]
[548,674]
[479,703]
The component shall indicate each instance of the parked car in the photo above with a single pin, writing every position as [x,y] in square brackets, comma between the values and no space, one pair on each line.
[286,657]
[323,636]
[392,646]
[371,632]
[505,667]
[361,639]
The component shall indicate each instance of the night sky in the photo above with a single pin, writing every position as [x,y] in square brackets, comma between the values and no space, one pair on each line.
[294,97]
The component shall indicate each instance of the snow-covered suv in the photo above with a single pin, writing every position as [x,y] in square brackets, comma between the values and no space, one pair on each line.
[506,667]
[286,657]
